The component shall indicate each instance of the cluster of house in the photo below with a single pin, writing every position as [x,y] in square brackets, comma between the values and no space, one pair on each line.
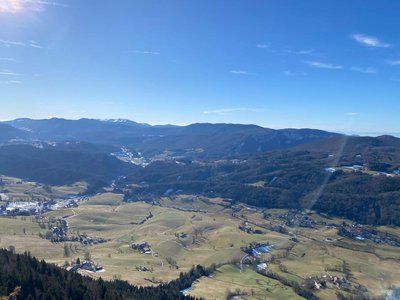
[329,281]
[362,232]
[356,168]
[359,168]
[127,156]
[257,249]
[246,227]
[59,233]
[296,218]
[86,266]
[21,208]
[87,240]
[143,248]
[260,249]
[143,269]
[30,208]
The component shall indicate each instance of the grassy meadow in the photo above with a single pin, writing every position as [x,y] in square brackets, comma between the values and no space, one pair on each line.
[193,230]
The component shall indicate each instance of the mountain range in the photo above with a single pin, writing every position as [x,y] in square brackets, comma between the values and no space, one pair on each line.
[348,176]
[201,140]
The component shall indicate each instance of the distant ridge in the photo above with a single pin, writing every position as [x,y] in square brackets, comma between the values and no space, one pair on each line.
[8,132]
[208,140]
[358,144]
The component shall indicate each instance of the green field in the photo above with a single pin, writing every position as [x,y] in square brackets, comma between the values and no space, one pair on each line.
[252,284]
[192,230]
[16,189]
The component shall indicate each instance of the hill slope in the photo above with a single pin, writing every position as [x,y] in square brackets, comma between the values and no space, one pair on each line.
[8,133]
[379,153]
[196,140]
[293,179]
[56,167]
[29,278]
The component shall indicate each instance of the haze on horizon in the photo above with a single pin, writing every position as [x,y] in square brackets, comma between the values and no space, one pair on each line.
[279,64]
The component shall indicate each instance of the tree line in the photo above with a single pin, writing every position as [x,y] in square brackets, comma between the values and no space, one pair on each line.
[28,278]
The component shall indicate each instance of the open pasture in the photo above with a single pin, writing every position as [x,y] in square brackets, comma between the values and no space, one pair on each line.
[194,233]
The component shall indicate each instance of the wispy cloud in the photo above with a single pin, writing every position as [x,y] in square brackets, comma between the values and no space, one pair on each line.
[351,114]
[306,52]
[227,111]
[393,62]
[240,72]
[34,44]
[42,2]
[321,65]
[8,82]
[293,74]
[8,43]
[369,41]
[10,6]
[364,70]
[146,52]
[7,59]
[263,46]
[16,6]
[8,73]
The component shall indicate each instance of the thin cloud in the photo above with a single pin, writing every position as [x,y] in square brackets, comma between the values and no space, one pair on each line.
[35,44]
[7,59]
[293,74]
[10,6]
[8,73]
[8,82]
[227,111]
[321,65]
[351,114]
[306,52]
[369,41]
[8,43]
[239,72]
[147,52]
[16,6]
[263,46]
[393,62]
[364,70]
[46,3]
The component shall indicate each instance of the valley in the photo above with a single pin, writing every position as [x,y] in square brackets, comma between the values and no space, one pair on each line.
[184,230]
[312,215]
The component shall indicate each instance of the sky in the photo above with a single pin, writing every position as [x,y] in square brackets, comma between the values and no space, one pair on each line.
[332,64]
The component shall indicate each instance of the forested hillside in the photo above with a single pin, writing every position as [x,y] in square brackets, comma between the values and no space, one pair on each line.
[29,278]
[293,179]
[196,140]
[54,167]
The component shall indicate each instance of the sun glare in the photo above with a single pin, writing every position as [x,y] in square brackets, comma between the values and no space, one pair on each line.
[11,6]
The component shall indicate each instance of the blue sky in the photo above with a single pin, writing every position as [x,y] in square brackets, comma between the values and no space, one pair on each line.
[333,65]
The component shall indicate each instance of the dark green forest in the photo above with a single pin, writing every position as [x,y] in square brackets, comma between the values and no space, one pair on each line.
[291,179]
[30,278]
